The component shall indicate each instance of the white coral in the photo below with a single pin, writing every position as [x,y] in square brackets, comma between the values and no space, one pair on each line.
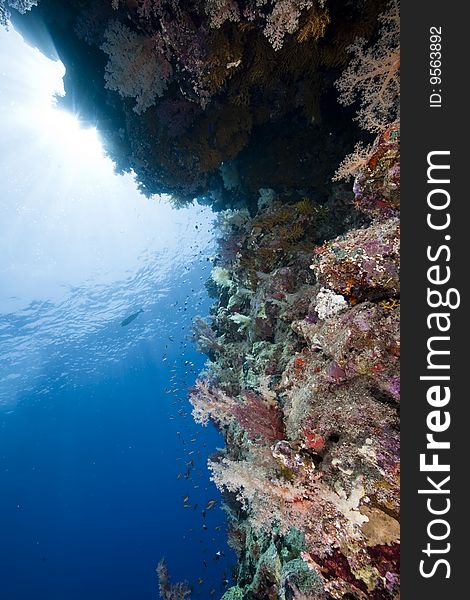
[329,304]
[221,276]
[242,320]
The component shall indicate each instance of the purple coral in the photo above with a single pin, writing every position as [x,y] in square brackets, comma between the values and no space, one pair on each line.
[261,419]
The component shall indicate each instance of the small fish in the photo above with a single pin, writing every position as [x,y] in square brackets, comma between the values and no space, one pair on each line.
[211,504]
[131,318]
[200,581]
[186,499]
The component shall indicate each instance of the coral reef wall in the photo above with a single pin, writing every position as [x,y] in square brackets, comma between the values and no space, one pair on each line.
[234,102]
[303,380]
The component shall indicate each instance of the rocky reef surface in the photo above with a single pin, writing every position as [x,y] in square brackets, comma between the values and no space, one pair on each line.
[303,380]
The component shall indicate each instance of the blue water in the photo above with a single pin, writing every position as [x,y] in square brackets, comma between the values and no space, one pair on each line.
[98,449]
[90,452]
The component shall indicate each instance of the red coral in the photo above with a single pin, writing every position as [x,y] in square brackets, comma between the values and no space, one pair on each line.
[337,566]
[314,440]
[386,558]
[260,418]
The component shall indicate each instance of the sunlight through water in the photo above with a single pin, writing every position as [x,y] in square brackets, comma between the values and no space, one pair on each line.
[80,247]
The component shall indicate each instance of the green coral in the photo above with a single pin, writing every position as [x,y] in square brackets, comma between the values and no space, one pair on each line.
[268,570]
[293,545]
[297,573]
[233,593]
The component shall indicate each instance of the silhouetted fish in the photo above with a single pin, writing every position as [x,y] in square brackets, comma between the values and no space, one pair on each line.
[131,318]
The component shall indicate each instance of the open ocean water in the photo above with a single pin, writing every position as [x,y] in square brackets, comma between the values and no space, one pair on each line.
[98,451]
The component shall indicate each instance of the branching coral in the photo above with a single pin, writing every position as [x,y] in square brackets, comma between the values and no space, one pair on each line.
[353,163]
[373,75]
[220,11]
[206,338]
[284,19]
[211,403]
[137,67]
[260,417]
[280,17]
[269,499]
[169,591]
[373,78]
